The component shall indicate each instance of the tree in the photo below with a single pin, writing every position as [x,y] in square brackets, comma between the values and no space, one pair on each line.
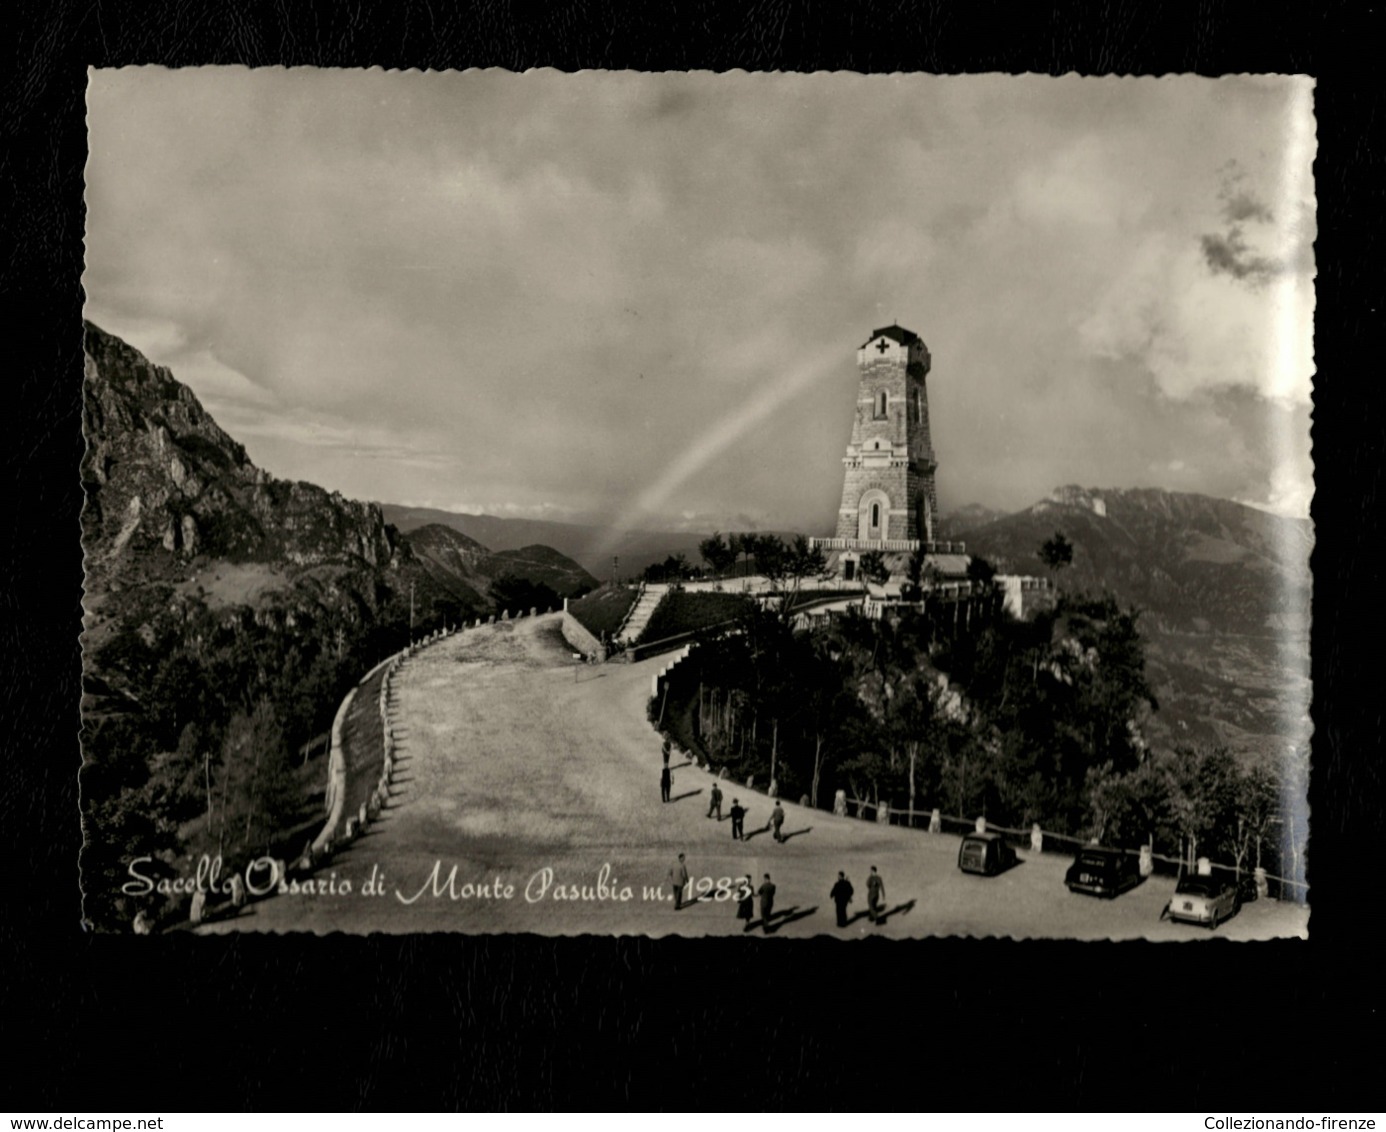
[980,570]
[873,567]
[785,566]
[255,793]
[1056,553]
[741,544]
[750,547]
[915,571]
[1202,785]
[772,558]
[674,568]
[820,696]
[1258,798]
[719,556]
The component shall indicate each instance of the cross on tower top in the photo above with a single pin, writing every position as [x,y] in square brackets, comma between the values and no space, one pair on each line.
[882,346]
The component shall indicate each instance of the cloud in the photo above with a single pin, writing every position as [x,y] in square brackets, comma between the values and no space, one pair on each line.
[1195,328]
[1227,253]
[600,291]
[505,508]
[1241,205]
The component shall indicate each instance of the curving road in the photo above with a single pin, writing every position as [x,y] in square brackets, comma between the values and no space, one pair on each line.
[513,760]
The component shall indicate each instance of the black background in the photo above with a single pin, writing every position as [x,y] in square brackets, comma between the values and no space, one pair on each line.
[179,1022]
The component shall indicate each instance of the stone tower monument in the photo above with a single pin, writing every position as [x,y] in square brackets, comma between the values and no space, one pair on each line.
[888,495]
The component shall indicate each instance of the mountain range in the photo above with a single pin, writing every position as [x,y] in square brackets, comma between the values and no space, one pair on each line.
[179,524]
[462,564]
[592,546]
[1224,591]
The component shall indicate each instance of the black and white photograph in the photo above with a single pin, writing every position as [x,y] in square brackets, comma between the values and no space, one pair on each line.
[697,504]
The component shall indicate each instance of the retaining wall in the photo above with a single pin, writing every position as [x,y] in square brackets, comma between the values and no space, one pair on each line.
[578,636]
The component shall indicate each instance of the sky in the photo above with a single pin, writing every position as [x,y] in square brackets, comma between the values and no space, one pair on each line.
[636,299]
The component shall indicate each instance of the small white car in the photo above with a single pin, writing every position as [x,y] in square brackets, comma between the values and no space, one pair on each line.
[1204,900]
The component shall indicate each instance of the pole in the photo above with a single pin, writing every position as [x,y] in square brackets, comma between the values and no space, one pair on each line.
[411,613]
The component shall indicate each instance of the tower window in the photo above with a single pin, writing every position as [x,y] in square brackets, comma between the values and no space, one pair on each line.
[881,404]
[875,514]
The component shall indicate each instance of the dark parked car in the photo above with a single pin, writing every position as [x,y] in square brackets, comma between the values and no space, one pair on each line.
[1103,872]
[985,853]
[1205,899]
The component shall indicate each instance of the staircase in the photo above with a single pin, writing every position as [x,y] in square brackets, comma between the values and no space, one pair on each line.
[641,612]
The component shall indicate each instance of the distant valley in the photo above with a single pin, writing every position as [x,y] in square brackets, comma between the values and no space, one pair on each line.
[1225,592]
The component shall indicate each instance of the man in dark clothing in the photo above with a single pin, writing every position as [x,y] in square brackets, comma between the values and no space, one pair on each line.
[875,895]
[767,903]
[842,896]
[738,817]
[777,820]
[666,782]
[665,751]
[715,802]
[745,903]
[678,880]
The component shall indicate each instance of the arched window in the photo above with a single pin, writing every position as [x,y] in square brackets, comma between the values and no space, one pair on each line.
[881,403]
[875,515]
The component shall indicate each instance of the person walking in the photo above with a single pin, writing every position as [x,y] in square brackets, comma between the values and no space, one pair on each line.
[841,896]
[738,817]
[665,751]
[875,895]
[715,802]
[767,903]
[666,783]
[745,902]
[678,880]
[777,820]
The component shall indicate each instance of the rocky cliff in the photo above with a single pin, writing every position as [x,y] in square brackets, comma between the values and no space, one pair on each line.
[166,486]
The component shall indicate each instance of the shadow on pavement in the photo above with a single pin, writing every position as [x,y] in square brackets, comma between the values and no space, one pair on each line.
[685,794]
[788,916]
[797,833]
[754,833]
[899,909]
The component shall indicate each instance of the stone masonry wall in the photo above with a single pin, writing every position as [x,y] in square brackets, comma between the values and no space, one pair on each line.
[877,445]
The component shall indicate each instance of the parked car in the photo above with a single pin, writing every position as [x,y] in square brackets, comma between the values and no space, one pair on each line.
[985,853]
[1205,899]
[1100,871]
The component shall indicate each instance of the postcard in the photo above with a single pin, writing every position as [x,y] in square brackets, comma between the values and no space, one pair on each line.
[767,505]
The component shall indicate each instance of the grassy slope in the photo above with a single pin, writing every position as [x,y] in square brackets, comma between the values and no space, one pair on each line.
[683,612]
[604,609]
